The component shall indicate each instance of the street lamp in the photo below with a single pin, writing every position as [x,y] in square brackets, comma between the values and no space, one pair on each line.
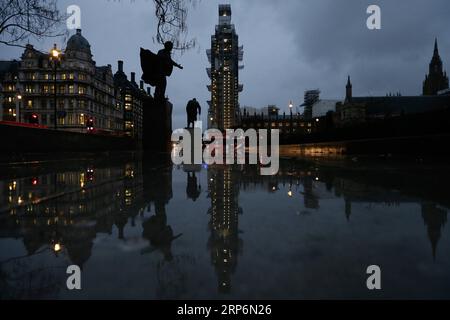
[19,100]
[291,106]
[55,57]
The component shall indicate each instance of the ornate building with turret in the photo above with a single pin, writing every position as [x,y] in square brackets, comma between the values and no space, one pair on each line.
[436,80]
[87,96]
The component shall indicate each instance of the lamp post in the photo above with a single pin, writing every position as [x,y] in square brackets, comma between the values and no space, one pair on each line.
[55,57]
[291,106]
[19,100]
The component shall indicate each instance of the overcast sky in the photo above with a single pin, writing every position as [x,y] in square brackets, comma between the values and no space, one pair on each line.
[290,46]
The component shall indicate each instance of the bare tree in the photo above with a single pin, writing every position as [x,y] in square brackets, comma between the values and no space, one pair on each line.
[22,19]
[172,16]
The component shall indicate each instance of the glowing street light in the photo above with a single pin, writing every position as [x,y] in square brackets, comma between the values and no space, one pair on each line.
[57,247]
[55,57]
[19,107]
[55,52]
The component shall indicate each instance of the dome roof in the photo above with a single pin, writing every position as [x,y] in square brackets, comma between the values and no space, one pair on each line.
[78,43]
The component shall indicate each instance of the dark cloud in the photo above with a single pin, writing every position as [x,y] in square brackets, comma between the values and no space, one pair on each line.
[290,46]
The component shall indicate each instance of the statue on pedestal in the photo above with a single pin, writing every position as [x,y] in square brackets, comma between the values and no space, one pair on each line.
[156,67]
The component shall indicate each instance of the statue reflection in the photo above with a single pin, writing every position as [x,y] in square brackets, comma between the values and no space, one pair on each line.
[170,272]
[224,242]
[158,191]
[160,235]
[193,190]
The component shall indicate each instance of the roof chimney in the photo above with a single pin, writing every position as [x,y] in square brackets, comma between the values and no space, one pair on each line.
[79,32]
[120,65]
[133,77]
[142,85]
[149,91]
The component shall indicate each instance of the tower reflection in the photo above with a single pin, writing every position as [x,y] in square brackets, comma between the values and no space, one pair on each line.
[224,242]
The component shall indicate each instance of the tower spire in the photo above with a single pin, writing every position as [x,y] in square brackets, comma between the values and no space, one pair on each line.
[349,90]
[436,49]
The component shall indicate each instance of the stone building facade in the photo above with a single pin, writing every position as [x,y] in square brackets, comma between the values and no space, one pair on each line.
[88,97]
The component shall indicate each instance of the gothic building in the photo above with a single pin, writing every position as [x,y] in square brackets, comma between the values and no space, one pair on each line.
[224,57]
[437,79]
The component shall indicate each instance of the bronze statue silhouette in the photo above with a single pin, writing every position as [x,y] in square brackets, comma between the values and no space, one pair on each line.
[193,109]
[156,67]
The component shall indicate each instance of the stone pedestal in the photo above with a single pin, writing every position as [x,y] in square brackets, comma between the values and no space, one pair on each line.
[157,126]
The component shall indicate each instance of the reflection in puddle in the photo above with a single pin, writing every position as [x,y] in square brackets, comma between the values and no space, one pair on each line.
[145,229]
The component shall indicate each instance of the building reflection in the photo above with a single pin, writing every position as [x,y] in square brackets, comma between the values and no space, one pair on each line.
[64,211]
[435,219]
[224,241]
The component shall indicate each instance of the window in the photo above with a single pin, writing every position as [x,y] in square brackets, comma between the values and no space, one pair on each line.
[30,103]
[44,118]
[71,76]
[62,89]
[29,89]
[81,90]
[128,106]
[82,77]
[81,119]
[128,125]
[70,118]
[63,76]
[71,89]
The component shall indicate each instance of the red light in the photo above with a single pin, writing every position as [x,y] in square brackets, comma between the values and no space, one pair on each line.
[34,181]
[35,116]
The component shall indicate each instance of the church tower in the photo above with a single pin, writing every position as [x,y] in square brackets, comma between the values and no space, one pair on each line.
[349,90]
[437,79]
